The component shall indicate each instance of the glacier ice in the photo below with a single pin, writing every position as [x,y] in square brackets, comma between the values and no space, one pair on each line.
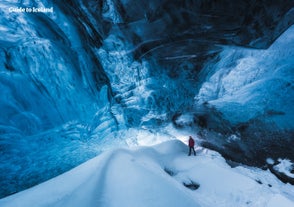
[77,81]
[254,82]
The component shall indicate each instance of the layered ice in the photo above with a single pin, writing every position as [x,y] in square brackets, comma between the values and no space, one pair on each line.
[54,101]
[247,83]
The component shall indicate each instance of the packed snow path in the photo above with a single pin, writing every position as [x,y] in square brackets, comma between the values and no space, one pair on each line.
[159,176]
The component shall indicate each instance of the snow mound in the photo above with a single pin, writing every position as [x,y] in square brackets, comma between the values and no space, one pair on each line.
[161,176]
[285,166]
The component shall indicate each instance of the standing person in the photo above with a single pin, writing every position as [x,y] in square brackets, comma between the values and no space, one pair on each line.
[191,146]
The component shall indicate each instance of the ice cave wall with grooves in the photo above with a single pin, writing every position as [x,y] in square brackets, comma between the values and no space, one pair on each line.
[72,79]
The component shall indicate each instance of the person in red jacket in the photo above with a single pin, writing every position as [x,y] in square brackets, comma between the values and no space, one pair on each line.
[191,146]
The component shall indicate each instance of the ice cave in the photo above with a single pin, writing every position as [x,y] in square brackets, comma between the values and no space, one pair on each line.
[86,82]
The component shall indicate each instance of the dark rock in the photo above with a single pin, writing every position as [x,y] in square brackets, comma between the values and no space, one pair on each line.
[192,185]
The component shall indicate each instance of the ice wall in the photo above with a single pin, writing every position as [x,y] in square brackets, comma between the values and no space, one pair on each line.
[247,83]
[54,95]
[249,93]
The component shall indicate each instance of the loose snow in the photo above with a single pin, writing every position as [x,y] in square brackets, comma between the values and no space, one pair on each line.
[158,176]
[285,166]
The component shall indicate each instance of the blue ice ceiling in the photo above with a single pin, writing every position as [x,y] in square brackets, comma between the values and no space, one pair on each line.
[71,81]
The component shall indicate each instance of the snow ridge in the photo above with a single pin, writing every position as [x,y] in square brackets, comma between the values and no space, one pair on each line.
[157,176]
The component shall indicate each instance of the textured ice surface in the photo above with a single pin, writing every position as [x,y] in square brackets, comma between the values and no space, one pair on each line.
[248,83]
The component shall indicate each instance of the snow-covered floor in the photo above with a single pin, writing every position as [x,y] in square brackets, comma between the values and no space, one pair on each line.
[155,176]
